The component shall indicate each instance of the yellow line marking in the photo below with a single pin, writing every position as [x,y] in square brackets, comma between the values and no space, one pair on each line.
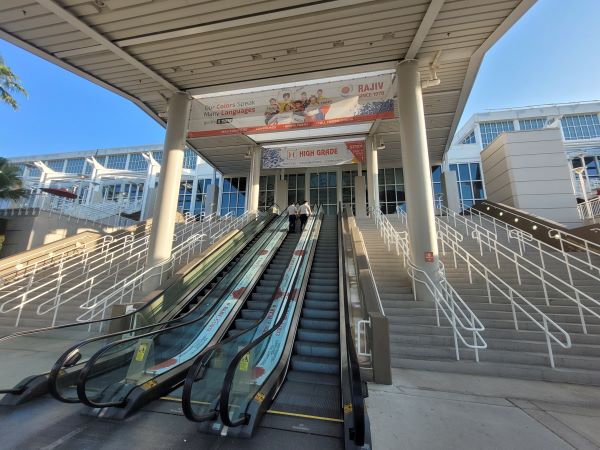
[175,399]
[304,416]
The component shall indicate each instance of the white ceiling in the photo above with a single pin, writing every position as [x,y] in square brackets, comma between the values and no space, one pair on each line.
[146,49]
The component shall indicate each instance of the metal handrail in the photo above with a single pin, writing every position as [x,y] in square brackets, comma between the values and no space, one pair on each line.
[525,240]
[589,209]
[446,299]
[134,281]
[547,278]
[446,237]
[133,255]
[565,238]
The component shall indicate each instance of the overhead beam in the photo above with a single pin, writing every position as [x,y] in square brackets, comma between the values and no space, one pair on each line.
[59,11]
[430,15]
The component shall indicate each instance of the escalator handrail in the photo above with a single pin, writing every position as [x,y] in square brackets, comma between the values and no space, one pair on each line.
[59,364]
[85,371]
[357,432]
[205,357]
[95,321]
[164,326]
[231,370]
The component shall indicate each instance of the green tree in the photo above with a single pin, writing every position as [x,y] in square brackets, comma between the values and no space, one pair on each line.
[10,183]
[9,84]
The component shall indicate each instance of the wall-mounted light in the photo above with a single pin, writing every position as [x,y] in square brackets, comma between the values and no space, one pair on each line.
[534,227]
[516,219]
[381,145]
[501,213]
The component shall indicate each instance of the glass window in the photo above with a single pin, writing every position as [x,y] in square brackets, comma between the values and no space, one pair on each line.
[391,190]
[532,124]
[581,126]
[75,165]
[470,186]
[158,156]
[266,192]
[189,159]
[490,130]
[325,192]
[137,163]
[234,196]
[116,162]
[56,164]
[470,139]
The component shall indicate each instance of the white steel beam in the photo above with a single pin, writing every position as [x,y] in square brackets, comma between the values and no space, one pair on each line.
[430,15]
[59,11]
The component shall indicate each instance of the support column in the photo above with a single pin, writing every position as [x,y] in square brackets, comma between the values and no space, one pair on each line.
[373,174]
[165,207]
[451,198]
[254,179]
[417,173]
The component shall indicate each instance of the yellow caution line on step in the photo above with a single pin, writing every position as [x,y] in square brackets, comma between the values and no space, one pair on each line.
[175,399]
[304,416]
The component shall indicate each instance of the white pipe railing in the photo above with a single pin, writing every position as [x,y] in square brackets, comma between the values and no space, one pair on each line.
[552,331]
[461,318]
[565,240]
[98,305]
[109,265]
[590,209]
[548,280]
[105,212]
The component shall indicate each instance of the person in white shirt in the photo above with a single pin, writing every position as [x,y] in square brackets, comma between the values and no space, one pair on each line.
[292,213]
[304,213]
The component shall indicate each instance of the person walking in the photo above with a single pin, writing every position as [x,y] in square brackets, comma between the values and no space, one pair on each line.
[292,214]
[304,213]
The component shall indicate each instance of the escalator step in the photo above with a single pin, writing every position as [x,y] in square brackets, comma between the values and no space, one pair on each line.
[327,314]
[317,324]
[252,314]
[325,336]
[313,378]
[314,349]
[315,364]
[242,324]
[321,304]
[323,289]
[327,297]
[255,304]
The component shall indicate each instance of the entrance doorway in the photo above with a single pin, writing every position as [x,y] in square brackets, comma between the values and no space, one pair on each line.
[323,189]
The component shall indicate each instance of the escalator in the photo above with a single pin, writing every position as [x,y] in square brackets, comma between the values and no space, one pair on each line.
[311,391]
[299,373]
[123,376]
[28,356]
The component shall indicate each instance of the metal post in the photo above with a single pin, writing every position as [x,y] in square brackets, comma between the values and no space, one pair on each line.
[254,179]
[373,175]
[417,172]
[165,208]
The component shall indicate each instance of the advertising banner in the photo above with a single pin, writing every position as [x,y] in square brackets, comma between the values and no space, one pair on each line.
[350,152]
[313,105]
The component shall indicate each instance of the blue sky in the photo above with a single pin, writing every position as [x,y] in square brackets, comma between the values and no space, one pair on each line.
[550,55]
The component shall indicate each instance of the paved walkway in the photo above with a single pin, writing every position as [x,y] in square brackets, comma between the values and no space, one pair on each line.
[431,410]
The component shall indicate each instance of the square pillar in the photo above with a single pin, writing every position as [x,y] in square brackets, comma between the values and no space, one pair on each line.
[451,198]
[360,197]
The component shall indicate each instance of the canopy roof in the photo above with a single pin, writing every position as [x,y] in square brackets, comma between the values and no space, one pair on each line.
[146,49]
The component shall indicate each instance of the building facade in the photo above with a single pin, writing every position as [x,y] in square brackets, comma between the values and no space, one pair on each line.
[579,125]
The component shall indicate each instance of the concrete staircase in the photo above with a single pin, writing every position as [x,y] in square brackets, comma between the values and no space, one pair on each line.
[416,341]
